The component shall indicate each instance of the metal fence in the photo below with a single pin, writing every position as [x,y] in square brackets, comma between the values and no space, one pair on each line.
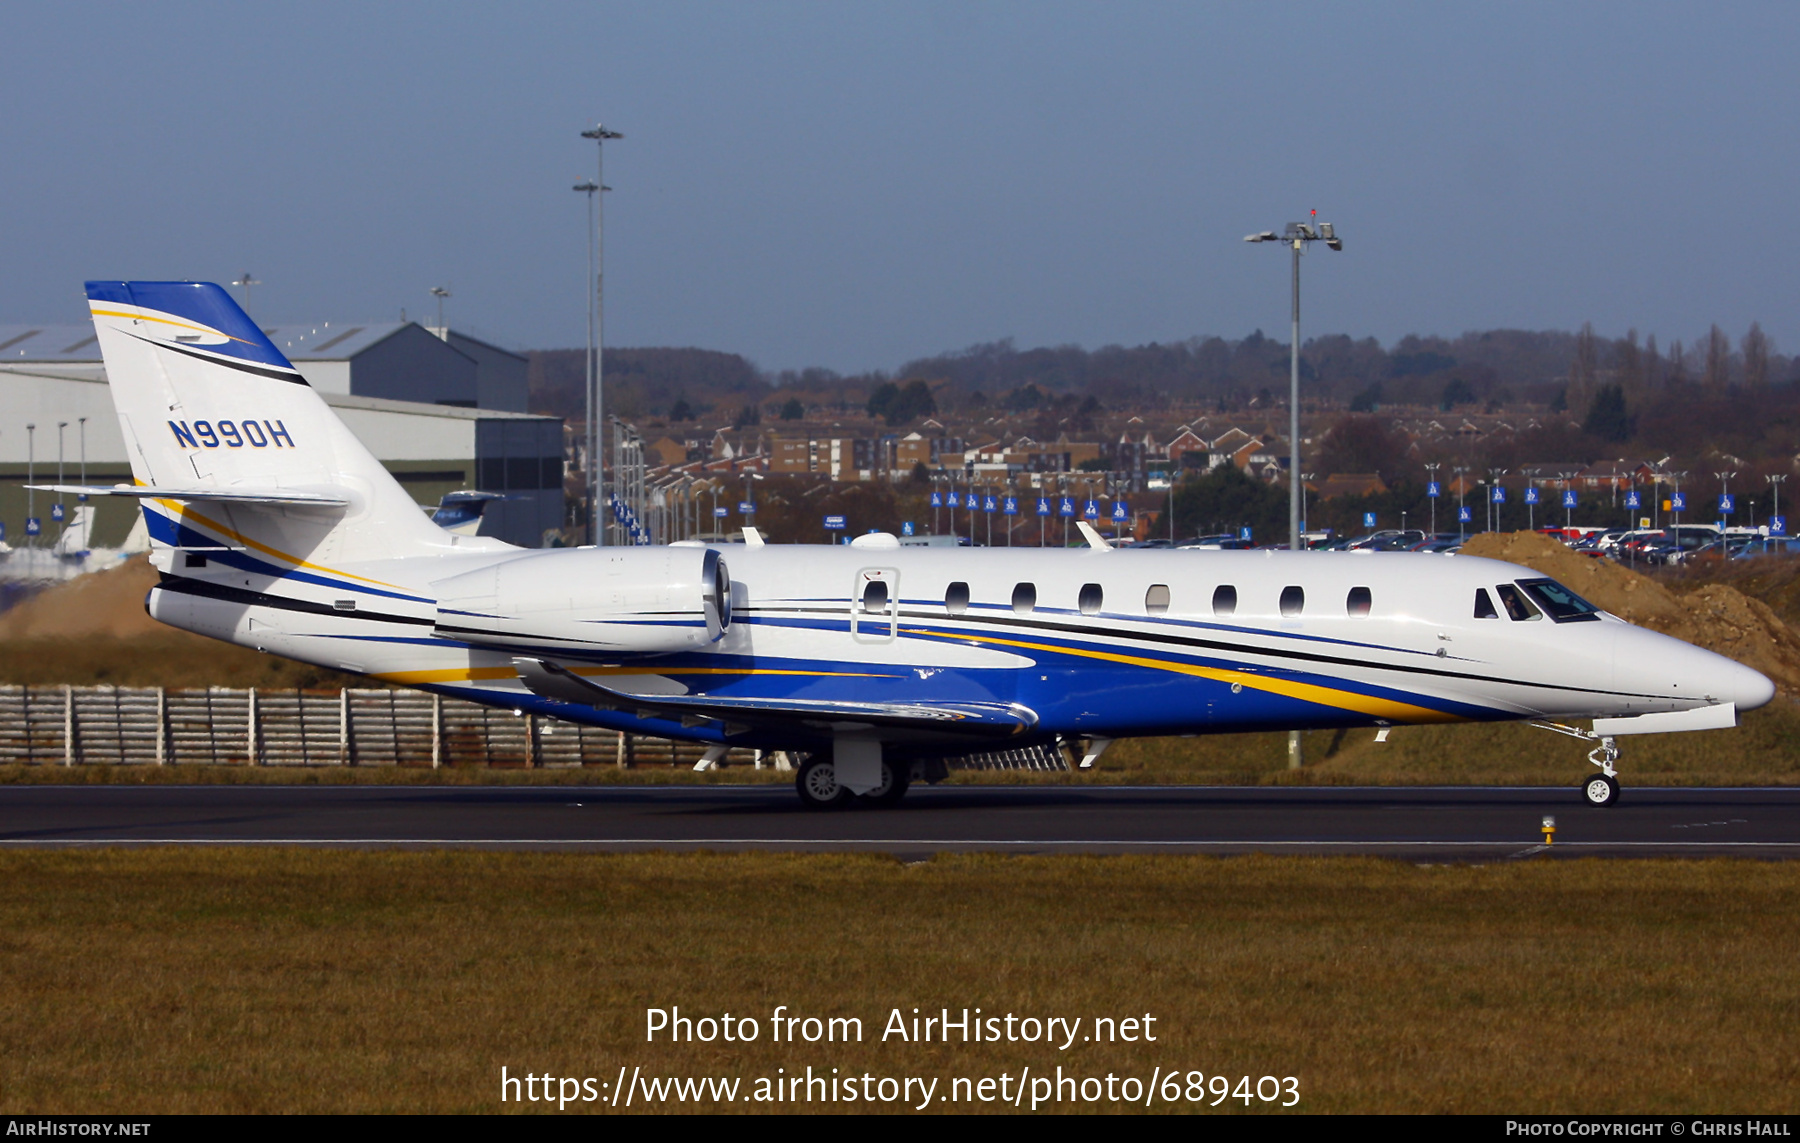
[222,726]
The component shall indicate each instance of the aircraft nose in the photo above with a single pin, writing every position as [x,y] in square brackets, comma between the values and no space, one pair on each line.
[1661,664]
[1748,688]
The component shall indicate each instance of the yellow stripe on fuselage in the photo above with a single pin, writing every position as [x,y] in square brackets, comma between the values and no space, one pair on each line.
[187,512]
[1374,707]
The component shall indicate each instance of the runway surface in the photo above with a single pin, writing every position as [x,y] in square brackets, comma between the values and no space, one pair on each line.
[1422,824]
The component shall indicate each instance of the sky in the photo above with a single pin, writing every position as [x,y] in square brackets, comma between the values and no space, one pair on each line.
[852,185]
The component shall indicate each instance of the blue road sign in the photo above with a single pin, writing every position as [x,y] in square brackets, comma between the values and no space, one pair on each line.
[56,513]
[937,499]
[1434,489]
[1043,508]
[989,504]
[1531,495]
[974,503]
[1633,500]
[1010,506]
[721,513]
[906,528]
[1569,498]
[835,523]
[1465,514]
[1091,509]
[1244,533]
[1678,502]
[2,531]
[1499,493]
[1777,527]
[1368,519]
[746,507]
[33,525]
[1066,508]
[1724,503]
[1121,512]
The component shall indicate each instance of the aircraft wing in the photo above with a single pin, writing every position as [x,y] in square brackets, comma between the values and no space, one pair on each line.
[949,719]
[217,495]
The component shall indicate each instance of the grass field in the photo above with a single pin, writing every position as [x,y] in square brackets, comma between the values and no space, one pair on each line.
[235,980]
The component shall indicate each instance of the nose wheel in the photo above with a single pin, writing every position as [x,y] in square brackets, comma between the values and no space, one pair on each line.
[1601,790]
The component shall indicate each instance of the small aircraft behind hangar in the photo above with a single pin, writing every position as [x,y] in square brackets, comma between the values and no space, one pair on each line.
[274,528]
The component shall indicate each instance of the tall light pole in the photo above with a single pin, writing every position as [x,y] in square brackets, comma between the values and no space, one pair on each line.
[244,282]
[1724,491]
[1775,486]
[440,293]
[1431,478]
[596,405]
[1297,235]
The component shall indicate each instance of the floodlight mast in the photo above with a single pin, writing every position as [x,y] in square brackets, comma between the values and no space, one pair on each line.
[1297,235]
[596,408]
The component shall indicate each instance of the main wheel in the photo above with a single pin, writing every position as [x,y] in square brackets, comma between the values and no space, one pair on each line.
[895,777]
[1601,790]
[818,785]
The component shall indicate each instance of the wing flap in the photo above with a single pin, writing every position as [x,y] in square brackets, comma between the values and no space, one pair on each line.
[931,719]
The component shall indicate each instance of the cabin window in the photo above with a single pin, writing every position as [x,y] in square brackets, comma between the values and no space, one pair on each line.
[875,598]
[1024,598]
[1359,602]
[1484,605]
[1224,599]
[1293,601]
[1518,608]
[956,598]
[1156,600]
[1090,599]
[1561,604]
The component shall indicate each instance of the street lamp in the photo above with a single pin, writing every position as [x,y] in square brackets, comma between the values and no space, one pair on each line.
[1775,483]
[1724,491]
[1430,479]
[244,282]
[596,365]
[1297,235]
[440,294]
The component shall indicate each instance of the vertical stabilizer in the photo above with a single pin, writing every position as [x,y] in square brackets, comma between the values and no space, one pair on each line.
[206,402]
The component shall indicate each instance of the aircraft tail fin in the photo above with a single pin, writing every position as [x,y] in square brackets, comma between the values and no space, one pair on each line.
[249,453]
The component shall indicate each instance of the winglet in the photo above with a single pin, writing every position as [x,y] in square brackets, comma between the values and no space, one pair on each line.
[752,538]
[1095,540]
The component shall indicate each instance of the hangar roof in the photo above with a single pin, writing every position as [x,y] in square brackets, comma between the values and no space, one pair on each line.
[77,343]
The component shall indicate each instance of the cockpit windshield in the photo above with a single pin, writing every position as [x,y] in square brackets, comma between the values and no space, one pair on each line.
[1558,602]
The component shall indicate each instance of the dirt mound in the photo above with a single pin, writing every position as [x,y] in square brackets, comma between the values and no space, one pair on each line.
[1716,617]
[108,603]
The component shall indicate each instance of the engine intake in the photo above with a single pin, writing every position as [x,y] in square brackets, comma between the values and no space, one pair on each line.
[608,601]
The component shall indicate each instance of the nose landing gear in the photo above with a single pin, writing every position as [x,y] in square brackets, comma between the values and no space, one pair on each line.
[1603,788]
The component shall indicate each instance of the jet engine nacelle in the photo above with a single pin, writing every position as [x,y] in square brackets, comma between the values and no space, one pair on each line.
[605,601]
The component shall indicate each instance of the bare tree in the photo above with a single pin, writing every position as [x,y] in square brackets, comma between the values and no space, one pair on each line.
[1628,365]
[1718,360]
[1678,374]
[1756,349]
[1652,364]
[1584,370]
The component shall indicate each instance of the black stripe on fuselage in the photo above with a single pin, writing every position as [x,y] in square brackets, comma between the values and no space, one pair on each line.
[1213,645]
[226,593]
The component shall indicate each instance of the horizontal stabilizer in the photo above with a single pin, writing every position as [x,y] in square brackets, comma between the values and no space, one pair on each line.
[930,719]
[219,495]
[1723,716]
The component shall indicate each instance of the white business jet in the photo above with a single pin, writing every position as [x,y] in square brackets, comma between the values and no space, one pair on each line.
[274,528]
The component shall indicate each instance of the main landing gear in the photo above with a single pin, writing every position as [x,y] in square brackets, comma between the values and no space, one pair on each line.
[1601,789]
[820,789]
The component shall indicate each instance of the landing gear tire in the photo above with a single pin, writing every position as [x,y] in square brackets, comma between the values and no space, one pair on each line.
[818,786]
[895,777]
[1601,790]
